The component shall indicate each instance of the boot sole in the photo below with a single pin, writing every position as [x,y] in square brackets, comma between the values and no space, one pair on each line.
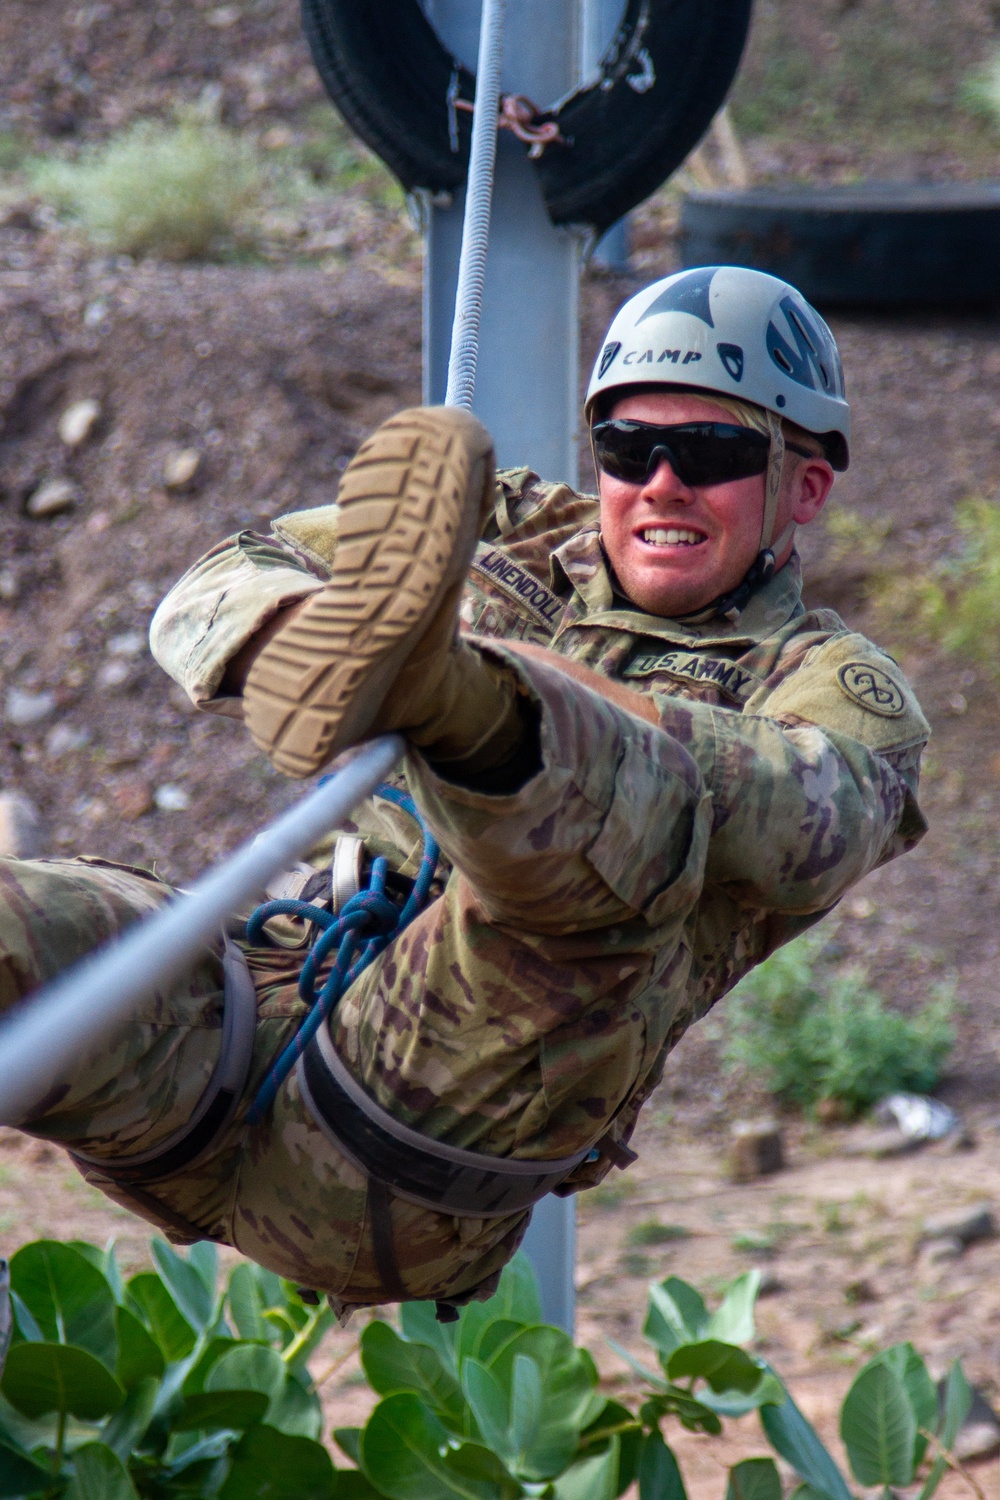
[413,502]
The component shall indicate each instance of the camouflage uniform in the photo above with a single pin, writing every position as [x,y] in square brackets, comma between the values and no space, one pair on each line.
[585,921]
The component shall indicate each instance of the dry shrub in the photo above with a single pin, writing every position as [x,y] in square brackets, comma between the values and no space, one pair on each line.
[179,191]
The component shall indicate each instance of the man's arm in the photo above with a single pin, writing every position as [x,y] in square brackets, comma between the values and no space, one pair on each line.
[814,784]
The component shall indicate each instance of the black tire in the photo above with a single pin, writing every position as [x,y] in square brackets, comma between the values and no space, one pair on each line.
[662,80]
[884,244]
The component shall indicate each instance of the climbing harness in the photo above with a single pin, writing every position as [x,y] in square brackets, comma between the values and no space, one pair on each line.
[616,137]
[368,919]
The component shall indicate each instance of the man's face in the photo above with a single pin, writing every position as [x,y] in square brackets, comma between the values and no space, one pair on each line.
[675,548]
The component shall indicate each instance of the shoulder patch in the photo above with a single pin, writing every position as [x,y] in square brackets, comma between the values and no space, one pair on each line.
[872,688]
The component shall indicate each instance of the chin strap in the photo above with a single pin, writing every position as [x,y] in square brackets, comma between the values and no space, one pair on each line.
[730,606]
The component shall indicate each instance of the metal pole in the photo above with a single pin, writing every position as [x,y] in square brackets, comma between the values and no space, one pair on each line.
[527,383]
[95,999]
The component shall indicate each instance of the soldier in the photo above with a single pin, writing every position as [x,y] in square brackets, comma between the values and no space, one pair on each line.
[646,764]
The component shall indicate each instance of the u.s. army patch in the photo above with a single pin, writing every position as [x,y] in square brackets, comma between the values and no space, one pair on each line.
[690,666]
[872,688]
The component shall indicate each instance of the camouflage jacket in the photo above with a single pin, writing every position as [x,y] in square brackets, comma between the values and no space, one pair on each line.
[540,575]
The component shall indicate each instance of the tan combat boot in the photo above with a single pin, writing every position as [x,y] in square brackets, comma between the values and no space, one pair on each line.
[377,648]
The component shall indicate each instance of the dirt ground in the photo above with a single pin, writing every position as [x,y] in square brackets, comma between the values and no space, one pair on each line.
[272,374]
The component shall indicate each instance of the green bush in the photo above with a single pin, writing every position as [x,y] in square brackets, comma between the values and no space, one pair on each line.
[171,1388]
[957,602]
[180,191]
[808,1033]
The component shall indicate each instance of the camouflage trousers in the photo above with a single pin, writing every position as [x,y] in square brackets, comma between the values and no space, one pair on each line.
[518,1015]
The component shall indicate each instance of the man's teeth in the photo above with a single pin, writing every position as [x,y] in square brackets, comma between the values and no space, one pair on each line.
[670,536]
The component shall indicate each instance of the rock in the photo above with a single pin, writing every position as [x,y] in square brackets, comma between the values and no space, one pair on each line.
[63,739]
[755,1150]
[964,1224]
[979,1435]
[180,467]
[132,799]
[131,643]
[935,1252]
[22,708]
[917,1116]
[171,798]
[114,673]
[9,585]
[78,421]
[20,827]
[52,497]
[880,1143]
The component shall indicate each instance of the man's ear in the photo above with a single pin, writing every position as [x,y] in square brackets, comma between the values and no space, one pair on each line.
[811,485]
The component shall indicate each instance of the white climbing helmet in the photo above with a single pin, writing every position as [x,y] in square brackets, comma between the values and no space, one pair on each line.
[741,333]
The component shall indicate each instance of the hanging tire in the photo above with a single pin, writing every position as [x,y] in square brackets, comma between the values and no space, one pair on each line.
[661,81]
[883,244]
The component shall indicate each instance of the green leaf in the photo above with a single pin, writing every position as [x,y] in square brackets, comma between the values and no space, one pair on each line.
[692,1413]
[403,1453]
[526,1403]
[592,1478]
[654,1379]
[676,1315]
[495,1336]
[40,1378]
[659,1473]
[19,1474]
[139,1356]
[68,1297]
[204,1256]
[725,1367]
[98,1474]
[754,1479]
[296,1411]
[210,1410]
[271,1465]
[246,1303]
[957,1403]
[792,1436]
[515,1301]
[419,1322]
[630,1437]
[907,1365]
[126,1429]
[569,1380]
[488,1400]
[394,1364]
[248,1367]
[349,1439]
[733,1404]
[878,1428]
[148,1297]
[196,1376]
[186,1284]
[351,1484]
[732,1322]
[24,1323]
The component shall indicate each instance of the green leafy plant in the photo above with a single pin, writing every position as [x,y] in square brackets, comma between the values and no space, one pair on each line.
[180,190]
[810,1032]
[172,1387]
[957,602]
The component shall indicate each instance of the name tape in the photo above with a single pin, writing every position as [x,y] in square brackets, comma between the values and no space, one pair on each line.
[520,586]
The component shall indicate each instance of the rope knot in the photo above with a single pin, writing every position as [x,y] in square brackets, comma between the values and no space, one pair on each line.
[371,914]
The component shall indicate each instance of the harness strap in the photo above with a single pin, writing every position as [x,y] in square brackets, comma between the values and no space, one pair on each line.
[423,1171]
[217,1104]
[380,1218]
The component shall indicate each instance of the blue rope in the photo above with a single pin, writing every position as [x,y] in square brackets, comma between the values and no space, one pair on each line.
[369,921]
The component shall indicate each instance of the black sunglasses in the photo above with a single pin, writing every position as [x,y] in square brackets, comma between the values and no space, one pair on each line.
[700,453]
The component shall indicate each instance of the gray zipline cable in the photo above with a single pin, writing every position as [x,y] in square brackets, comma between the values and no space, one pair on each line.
[478,203]
[94,999]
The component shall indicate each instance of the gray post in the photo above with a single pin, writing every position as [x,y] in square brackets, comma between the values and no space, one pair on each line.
[526,386]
